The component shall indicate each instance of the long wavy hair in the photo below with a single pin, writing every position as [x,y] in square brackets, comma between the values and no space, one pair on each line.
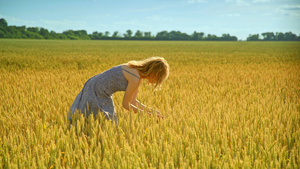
[154,66]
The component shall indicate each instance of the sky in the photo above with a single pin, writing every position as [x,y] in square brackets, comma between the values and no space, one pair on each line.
[235,17]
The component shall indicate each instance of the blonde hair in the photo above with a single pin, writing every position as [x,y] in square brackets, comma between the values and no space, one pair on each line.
[154,66]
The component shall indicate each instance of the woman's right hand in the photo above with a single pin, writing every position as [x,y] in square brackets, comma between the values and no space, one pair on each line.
[158,114]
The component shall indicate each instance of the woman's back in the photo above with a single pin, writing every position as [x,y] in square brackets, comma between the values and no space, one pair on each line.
[97,93]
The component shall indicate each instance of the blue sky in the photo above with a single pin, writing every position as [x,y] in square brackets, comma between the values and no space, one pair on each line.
[236,17]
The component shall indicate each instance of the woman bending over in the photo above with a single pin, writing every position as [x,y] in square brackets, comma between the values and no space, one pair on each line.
[96,95]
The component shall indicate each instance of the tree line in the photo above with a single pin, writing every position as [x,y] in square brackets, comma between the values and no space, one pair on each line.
[271,36]
[22,32]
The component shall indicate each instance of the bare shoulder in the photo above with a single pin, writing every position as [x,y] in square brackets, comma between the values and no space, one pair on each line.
[131,74]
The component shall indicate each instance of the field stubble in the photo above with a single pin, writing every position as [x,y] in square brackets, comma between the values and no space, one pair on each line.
[225,105]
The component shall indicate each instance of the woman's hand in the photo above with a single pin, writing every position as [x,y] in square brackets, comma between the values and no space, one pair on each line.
[159,115]
[152,111]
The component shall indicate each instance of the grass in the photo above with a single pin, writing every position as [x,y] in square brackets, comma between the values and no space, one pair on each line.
[226,105]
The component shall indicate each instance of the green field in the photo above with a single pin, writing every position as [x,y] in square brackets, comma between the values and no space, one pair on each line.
[225,105]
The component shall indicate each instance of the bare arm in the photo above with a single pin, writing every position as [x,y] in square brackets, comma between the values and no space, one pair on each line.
[136,103]
[130,101]
[132,87]
[140,106]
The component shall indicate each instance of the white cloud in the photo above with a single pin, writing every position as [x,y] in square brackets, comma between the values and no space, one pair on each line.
[13,21]
[267,14]
[258,1]
[195,1]
[290,10]
[159,18]
[238,2]
[131,24]
[62,25]
[144,10]
[230,15]
[68,23]
[246,2]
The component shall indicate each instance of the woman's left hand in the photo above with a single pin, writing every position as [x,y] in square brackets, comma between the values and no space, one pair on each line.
[159,115]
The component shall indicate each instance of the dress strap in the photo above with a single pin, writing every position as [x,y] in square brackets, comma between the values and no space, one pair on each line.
[131,73]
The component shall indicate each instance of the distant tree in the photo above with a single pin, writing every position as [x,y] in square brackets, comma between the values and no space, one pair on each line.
[14,33]
[69,34]
[2,33]
[212,38]
[75,35]
[279,36]
[21,32]
[33,29]
[31,35]
[106,34]
[233,38]
[254,37]
[177,35]
[174,35]
[100,35]
[44,32]
[268,36]
[289,36]
[53,35]
[227,37]
[128,34]
[81,34]
[21,28]
[115,34]
[197,36]
[62,36]
[148,36]
[138,35]
[96,35]
[164,35]
[3,23]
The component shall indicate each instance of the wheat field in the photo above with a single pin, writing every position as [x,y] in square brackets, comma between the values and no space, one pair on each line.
[225,105]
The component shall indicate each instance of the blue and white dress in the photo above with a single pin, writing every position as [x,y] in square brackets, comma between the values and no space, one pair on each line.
[96,95]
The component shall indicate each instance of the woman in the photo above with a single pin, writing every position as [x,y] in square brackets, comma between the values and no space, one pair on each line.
[96,95]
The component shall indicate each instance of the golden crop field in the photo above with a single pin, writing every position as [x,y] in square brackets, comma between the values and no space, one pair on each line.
[225,105]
